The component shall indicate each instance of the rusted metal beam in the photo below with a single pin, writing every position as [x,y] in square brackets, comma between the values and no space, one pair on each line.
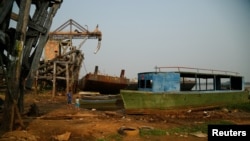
[54,80]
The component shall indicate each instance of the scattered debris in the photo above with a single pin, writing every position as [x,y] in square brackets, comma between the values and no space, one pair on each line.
[129,131]
[146,128]
[225,110]
[199,134]
[19,136]
[67,117]
[113,114]
[206,114]
[62,137]
[34,110]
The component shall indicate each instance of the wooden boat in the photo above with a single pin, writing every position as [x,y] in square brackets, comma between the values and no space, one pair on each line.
[104,84]
[98,101]
[162,90]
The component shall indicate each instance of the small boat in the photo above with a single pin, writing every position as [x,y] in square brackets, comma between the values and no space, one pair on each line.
[104,84]
[100,97]
[98,101]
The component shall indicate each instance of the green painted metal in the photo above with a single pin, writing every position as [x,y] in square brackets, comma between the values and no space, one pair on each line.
[149,100]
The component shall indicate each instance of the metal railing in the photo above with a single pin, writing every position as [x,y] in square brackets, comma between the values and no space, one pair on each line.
[196,70]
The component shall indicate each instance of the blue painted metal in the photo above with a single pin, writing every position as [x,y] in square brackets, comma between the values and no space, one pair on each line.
[159,81]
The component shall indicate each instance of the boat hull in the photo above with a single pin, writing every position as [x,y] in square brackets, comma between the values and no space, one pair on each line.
[103,84]
[148,100]
[99,101]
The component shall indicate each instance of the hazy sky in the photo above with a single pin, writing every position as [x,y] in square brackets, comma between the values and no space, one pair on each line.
[141,34]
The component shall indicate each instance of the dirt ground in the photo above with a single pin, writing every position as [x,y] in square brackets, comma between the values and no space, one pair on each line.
[57,121]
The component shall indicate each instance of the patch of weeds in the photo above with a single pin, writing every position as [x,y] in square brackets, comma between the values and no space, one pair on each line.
[240,106]
[101,140]
[152,132]
[113,137]
[196,128]
[187,129]
[221,122]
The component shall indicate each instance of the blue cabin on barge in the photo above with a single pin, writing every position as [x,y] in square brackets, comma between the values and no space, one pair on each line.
[194,80]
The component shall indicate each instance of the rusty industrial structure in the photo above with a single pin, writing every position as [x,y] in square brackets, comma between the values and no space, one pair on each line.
[62,60]
[24,33]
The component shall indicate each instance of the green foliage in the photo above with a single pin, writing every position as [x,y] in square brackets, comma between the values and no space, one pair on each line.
[186,129]
[182,129]
[154,132]
[196,128]
[240,106]
[113,137]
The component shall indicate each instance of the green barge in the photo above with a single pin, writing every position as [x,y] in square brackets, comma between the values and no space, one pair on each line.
[164,90]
